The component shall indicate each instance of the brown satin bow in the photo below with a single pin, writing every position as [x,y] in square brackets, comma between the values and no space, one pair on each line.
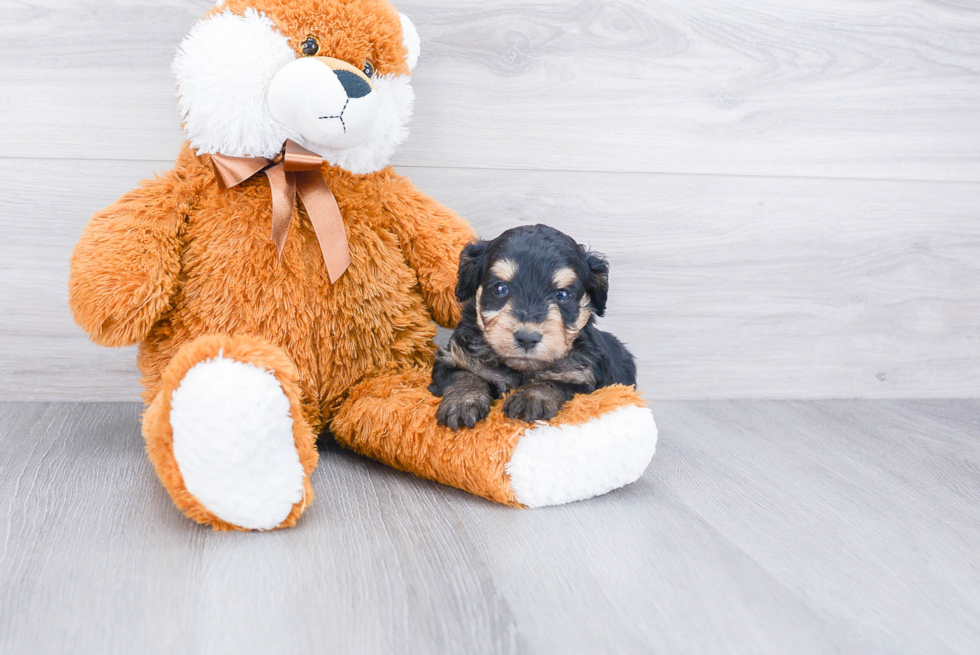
[295,170]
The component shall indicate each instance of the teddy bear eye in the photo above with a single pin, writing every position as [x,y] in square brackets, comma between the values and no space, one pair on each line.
[310,47]
[368,69]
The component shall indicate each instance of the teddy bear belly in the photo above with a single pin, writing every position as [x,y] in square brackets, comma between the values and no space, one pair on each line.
[336,334]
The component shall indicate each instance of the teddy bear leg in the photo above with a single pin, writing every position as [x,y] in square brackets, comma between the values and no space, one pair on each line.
[597,443]
[227,436]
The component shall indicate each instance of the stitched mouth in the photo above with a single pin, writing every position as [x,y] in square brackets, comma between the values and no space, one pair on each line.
[340,116]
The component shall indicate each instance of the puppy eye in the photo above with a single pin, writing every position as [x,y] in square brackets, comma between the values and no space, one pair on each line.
[500,289]
[563,295]
[368,69]
[310,47]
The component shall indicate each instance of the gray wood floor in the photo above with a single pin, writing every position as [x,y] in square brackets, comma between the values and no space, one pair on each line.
[760,527]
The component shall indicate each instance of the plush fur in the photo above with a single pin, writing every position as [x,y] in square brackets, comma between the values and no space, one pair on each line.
[233,442]
[528,327]
[158,430]
[223,69]
[189,272]
[564,462]
[393,420]
[227,64]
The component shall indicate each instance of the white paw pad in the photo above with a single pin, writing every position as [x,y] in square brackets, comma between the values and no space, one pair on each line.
[233,442]
[552,465]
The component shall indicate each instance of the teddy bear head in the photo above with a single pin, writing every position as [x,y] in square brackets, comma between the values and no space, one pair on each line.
[331,75]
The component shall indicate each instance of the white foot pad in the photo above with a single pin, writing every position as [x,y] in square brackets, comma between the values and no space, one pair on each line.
[552,465]
[233,442]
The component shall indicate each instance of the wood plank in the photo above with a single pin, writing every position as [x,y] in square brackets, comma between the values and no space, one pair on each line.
[114,567]
[829,498]
[722,286]
[834,89]
[762,527]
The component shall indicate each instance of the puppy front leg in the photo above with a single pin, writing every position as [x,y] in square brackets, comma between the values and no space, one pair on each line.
[465,401]
[537,401]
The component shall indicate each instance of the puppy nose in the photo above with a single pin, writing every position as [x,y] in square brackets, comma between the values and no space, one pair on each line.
[526,339]
[353,85]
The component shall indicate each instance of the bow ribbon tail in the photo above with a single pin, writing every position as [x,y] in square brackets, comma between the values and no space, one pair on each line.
[297,171]
[283,188]
[328,224]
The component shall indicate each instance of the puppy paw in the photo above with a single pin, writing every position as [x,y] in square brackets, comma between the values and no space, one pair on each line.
[534,403]
[466,409]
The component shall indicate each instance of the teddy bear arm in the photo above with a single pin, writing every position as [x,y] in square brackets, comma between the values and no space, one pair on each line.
[124,268]
[432,237]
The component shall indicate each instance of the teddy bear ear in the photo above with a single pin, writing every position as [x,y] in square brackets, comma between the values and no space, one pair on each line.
[412,42]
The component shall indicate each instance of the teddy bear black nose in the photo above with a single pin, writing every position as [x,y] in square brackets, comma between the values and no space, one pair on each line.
[354,85]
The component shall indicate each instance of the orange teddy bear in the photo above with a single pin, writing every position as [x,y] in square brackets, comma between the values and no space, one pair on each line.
[282,280]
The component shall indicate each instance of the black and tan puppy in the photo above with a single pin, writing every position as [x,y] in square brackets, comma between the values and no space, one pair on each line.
[530,297]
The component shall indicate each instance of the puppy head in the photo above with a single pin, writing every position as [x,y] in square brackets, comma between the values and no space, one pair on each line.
[332,75]
[535,289]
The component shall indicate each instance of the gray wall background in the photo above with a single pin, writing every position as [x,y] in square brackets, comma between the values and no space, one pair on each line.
[788,190]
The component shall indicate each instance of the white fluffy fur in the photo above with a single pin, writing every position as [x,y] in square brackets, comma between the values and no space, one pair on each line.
[552,465]
[410,36]
[396,98]
[224,68]
[233,442]
[306,91]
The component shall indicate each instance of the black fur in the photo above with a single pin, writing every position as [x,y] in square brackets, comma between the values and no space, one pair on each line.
[469,375]
[472,265]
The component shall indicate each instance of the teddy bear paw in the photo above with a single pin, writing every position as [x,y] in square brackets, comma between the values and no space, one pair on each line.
[557,464]
[233,443]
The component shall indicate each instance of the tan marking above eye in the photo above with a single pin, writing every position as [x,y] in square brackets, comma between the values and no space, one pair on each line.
[564,277]
[505,269]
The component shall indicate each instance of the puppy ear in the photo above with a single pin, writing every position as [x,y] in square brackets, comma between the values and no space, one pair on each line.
[597,281]
[472,266]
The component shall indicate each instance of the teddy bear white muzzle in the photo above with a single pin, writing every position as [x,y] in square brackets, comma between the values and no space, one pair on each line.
[325,102]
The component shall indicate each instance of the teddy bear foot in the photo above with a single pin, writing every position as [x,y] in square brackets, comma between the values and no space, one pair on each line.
[558,464]
[598,442]
[233,443]
[229,447]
